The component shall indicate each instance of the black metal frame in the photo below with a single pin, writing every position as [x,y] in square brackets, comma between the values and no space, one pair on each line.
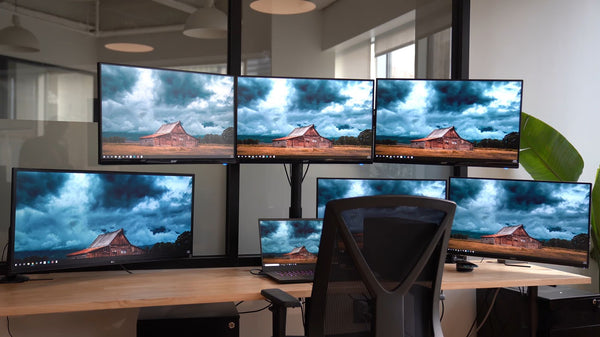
[459,69]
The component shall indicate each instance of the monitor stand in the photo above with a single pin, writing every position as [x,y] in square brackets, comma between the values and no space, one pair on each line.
[14,278]
[513,263]
[296,177]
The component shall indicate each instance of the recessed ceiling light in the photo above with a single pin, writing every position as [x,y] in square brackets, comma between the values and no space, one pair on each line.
[126,47]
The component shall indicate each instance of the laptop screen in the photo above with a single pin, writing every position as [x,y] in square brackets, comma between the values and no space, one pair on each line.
[286,242]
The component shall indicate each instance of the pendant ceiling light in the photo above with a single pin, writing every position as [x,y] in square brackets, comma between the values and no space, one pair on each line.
[206,22]
[127,47]
[283,7]
[18,39]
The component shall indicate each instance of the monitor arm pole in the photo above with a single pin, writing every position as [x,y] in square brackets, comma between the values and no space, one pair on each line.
[296,190]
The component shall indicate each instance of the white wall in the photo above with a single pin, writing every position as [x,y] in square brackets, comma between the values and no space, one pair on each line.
[553,45]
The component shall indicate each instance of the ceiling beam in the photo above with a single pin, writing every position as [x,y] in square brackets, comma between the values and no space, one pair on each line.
[177,5]
[42,16]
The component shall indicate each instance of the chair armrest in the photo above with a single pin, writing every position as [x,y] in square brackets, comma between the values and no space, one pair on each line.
[280,298]
[280,301]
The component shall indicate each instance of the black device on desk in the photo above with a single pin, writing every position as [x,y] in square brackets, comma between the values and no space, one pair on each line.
[465,266]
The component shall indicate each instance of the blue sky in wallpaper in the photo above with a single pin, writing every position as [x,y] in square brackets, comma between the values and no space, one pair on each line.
[281,236]
[140,100]
[546,209]
[58,210]
[411,109]
[275,106]
[331,188]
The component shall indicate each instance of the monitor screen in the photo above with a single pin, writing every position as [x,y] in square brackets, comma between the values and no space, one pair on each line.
[289,241]
[282,120]
[338,188]
[527,220]
[69,219]
[150,116]
[448,122]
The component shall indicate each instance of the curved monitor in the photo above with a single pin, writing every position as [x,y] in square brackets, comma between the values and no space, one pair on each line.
[338,188]
[153,116]
[69,219]
[448,122]
[526,220]
[286,120]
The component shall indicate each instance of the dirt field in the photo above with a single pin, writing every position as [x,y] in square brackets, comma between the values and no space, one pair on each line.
[481,153]
[204,150]
[284,260]
[336,151]
[559,254]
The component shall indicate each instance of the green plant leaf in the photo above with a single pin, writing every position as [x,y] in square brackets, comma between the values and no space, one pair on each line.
[546,154]
[595,231]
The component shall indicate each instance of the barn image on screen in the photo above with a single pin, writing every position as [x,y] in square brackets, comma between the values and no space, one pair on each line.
[303,137]
[171,134]
[515,236]
[107,245]
[446,139]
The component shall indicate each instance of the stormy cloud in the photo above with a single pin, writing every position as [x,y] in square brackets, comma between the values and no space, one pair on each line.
[546,210]
[281,236]
[72,213]
[411,109]
[138,101]
[273,107]
[333,188]
[179,88]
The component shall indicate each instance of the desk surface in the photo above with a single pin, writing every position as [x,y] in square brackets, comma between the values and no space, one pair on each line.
[83,291]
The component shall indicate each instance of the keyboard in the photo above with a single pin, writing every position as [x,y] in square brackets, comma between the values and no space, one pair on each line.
[305,275]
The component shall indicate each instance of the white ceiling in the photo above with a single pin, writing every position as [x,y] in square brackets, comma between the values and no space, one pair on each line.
[105,18]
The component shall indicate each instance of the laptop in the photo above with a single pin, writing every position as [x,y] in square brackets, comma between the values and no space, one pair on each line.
[289,248]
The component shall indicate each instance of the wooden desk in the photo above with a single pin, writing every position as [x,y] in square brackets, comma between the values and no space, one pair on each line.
[491,274]
[83,291]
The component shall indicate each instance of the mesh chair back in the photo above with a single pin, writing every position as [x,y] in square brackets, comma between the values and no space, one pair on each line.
[380,266]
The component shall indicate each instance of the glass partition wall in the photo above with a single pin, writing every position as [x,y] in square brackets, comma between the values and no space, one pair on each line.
[48,98]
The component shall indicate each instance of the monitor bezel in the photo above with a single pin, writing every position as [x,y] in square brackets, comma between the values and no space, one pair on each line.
[310,159]
[92,264]
[372,178]
[524,258]
[447,161]
[176,159]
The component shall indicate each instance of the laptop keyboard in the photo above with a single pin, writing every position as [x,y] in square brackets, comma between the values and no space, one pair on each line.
[307,274]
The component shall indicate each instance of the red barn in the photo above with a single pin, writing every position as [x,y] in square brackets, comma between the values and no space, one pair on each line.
[300,253]
[443,139]
[515,236]
[305,136]
[109,244]
[171,134]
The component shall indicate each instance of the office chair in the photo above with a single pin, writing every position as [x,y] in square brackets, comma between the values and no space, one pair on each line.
[379,269]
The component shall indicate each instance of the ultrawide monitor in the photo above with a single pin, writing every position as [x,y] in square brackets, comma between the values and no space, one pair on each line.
[338,188]
[448,122]
[68,219]
[286,120]
[150,115]
[524,220]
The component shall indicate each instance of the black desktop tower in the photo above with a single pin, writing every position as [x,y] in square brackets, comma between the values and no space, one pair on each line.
[562,312]
[197,320]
